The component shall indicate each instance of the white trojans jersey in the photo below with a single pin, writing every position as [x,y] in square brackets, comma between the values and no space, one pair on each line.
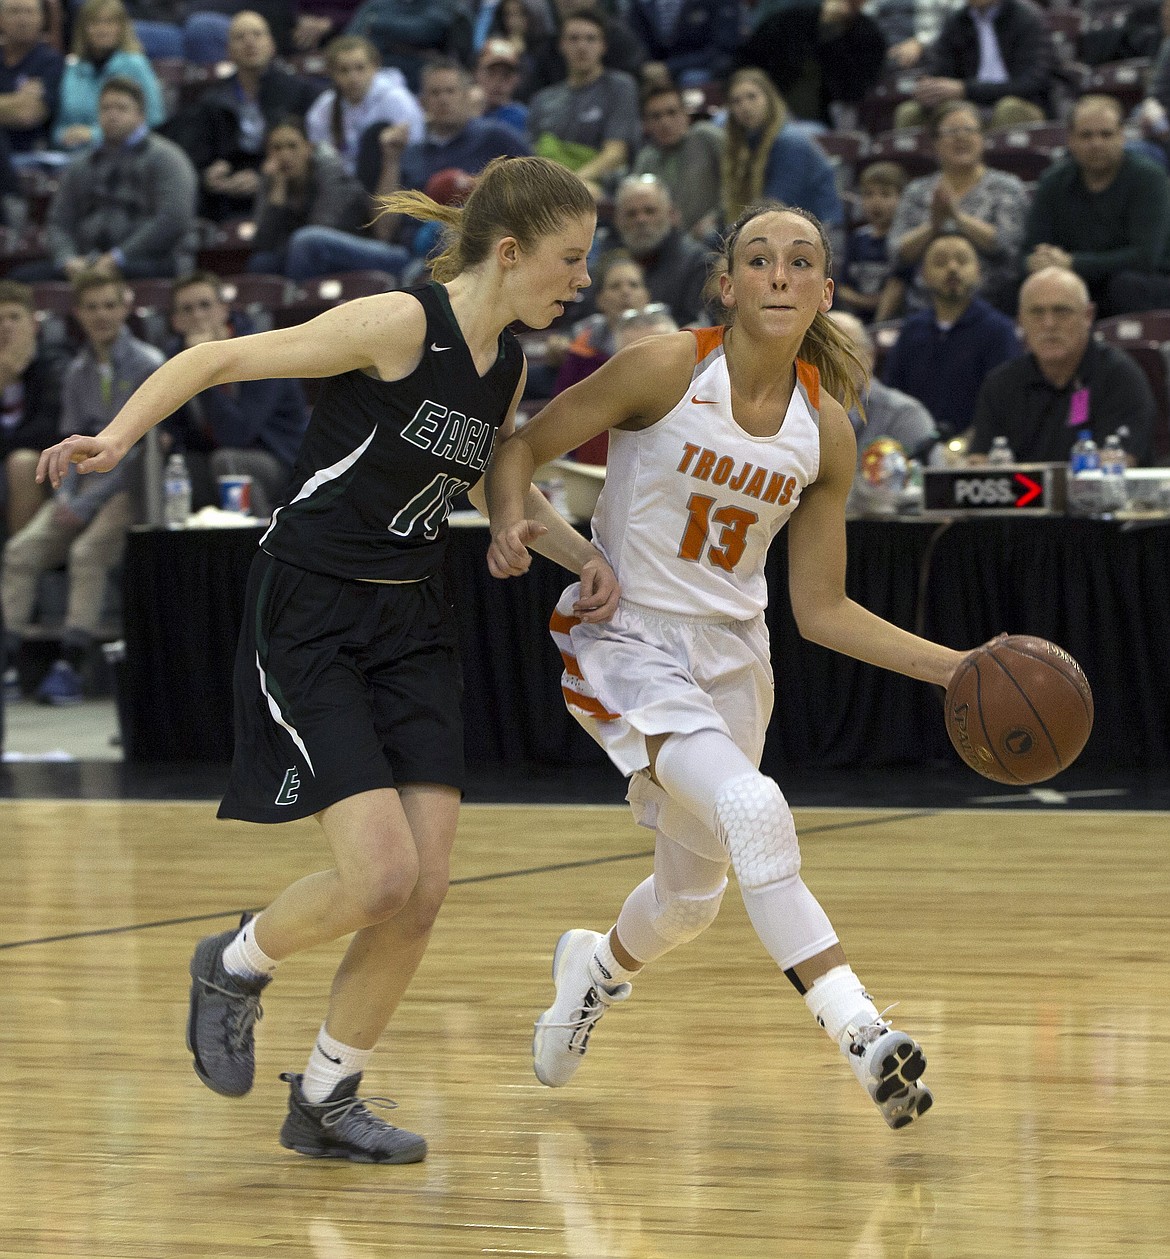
[691,504]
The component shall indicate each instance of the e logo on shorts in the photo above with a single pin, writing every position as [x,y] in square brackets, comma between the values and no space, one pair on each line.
[289,788]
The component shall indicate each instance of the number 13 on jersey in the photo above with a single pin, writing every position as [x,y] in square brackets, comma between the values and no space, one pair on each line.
[733,523]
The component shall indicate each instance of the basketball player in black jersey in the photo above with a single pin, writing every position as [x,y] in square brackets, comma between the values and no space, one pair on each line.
[347,678]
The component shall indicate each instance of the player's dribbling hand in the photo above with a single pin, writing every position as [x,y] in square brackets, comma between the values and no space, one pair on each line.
[598,598]
[508,555]
[91,454]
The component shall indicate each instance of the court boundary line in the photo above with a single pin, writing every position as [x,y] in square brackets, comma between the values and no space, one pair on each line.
[494,877]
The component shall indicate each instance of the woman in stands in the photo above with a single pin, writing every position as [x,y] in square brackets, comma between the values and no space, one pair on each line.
[766,159]
[966,196]
[104,47]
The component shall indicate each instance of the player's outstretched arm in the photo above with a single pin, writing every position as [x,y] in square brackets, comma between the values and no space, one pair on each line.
[544,530]
[635,388]
[384,333]
[816,571]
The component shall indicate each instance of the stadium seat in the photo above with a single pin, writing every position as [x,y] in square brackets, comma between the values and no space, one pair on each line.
[310,298]
[1145,338]
[875,113]
[195,82]
[1065,26]
[259,297]
[54,297]
[1030,135]
[37,187]
[225,247]
[1126,80]
[845,150]
[1029,163]
[171,73]
[911,147]
[1146,325]
[884,335]
[345,286]
[23,246]
[154,294]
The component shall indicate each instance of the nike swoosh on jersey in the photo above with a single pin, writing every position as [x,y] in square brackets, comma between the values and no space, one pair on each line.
[703,402]
[438,349]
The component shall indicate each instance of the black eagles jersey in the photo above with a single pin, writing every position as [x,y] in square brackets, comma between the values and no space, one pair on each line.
[381,461]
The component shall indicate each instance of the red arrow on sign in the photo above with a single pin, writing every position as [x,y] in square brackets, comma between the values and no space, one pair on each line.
[1032,489]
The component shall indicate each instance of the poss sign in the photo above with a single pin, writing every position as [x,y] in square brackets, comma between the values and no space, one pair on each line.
[1030,488]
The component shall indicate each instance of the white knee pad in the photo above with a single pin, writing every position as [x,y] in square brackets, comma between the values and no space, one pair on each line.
[679,919]
[755,823]
[654,920]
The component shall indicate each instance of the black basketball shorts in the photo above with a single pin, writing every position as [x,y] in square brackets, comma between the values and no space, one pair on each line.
[341,687]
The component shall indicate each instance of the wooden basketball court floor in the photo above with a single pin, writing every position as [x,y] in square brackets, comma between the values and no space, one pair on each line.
[711,1118]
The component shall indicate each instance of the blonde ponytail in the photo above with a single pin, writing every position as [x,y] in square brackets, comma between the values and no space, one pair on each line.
[844,374]
[528,198]
[417,205]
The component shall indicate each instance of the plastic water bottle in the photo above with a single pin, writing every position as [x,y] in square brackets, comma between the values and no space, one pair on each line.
[176,492]
[1000,454]
[914,495]
[1084,477]
[1084,457]
[1114,496]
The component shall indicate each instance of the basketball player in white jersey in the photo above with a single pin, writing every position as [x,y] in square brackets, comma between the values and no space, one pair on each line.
[718,438]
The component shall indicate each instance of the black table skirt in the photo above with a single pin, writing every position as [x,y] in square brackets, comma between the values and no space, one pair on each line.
[1099,590]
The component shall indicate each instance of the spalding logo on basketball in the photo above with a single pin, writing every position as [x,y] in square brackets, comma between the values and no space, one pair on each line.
[1019,709]
[1018,742]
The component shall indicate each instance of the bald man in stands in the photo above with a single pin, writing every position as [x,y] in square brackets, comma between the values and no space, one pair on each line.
[1066,385]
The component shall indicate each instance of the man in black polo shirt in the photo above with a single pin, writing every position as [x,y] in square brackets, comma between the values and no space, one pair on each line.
[1104,212]
[1066,385]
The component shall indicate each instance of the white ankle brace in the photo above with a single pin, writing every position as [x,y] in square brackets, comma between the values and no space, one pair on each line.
[837,999]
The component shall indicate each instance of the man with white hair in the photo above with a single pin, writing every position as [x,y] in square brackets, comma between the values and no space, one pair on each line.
[675,264]
[1067,385]
[888,412]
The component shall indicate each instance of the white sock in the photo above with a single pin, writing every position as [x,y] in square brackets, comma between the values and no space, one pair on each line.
[837,1000]
[605,967]
[245,958]
[329,1064]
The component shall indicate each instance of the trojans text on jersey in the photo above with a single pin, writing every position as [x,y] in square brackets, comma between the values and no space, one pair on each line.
[748,478]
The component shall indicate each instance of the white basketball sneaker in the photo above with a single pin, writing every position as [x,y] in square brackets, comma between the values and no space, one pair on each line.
[563,1030]
[889,1065]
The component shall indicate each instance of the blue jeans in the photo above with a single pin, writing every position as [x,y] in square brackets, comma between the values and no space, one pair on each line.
[266,262]
[314,251]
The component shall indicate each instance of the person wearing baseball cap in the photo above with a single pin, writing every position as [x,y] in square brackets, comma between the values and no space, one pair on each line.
[497,76]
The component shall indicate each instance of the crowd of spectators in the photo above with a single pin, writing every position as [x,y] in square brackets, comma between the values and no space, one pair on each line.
[137,136]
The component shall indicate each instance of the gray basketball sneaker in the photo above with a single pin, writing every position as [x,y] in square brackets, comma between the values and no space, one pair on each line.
[888,1064]
[342,1127]
[223,1013]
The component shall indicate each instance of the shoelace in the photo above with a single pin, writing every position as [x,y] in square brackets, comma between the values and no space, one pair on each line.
[592,1008]
[865,1035]
[247,1011]
[356,1107]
